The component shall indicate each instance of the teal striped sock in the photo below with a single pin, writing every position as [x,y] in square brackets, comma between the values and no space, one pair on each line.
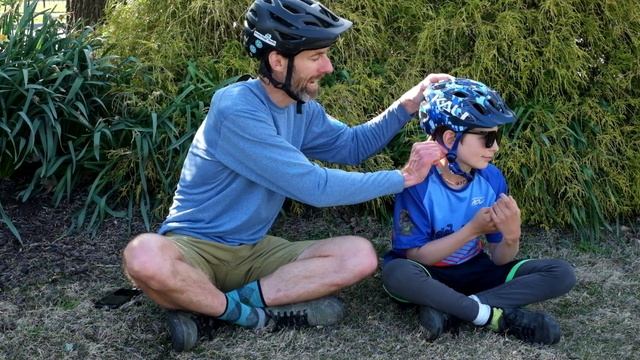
[243,315]
[250,294]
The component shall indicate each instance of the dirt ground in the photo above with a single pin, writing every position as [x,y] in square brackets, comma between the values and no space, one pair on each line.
[48,288]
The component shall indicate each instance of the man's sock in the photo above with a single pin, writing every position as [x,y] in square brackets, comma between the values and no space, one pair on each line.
[244,315]
[250,294]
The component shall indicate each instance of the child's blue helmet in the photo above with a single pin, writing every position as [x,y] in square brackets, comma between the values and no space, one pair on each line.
[461,105]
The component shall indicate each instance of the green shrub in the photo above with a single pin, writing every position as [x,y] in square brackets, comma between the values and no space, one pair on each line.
[570,69]
[51,89]
[140,164]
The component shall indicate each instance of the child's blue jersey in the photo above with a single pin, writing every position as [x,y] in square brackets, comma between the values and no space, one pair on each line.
[431,210]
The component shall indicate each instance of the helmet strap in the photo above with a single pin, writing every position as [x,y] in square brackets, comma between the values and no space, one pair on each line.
[286,85]
[452,156]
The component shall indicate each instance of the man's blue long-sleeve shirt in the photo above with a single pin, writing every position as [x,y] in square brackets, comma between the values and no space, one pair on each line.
[250,154]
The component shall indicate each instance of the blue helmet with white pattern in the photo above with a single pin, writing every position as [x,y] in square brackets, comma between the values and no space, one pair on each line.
[462,104]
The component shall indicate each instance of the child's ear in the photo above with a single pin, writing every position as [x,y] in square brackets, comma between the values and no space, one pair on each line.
[449,137]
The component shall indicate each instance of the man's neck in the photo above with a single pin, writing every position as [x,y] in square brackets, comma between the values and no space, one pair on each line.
[278,96]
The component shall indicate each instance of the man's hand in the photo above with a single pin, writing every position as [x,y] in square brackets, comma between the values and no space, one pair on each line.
[506,215]
[423,156]
[482,223]
[412,98]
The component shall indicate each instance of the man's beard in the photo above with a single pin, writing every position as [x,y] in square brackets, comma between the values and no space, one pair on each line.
[300,88]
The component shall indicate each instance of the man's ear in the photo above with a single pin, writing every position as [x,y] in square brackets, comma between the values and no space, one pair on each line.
[277,62]
[449,137]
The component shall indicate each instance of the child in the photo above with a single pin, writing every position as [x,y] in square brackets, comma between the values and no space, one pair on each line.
[437,259]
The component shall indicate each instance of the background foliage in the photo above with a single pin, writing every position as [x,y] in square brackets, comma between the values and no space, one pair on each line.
[571,69]
[52,89]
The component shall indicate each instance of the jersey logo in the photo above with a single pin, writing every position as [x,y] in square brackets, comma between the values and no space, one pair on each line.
[406,225]
[477,201]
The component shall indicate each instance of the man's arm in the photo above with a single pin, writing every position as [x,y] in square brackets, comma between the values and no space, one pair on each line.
[331,140]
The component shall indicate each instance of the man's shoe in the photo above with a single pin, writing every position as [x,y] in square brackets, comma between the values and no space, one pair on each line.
[186,328]
[320,312]
[529,326]
[435,322]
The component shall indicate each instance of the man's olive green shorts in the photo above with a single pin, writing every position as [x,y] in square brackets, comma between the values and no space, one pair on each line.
[230,267]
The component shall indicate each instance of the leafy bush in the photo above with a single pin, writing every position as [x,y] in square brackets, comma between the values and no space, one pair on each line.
[570,69]
[140,164]
[71,113]
[51,89]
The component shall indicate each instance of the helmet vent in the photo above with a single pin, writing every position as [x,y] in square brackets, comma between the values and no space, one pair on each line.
[282,21]
[494,104]
[481,109]
[291,9]
[319,22]
[460,94]
[326,12]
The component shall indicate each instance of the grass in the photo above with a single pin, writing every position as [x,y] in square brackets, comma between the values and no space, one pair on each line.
[47,314]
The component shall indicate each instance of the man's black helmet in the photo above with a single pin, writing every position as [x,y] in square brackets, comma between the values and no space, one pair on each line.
[290,26]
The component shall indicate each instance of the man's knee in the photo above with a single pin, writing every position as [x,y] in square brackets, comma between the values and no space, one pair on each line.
[363,256]
[144,260]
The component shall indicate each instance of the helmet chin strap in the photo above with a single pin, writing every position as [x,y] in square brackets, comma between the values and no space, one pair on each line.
[286,85]
[452,155]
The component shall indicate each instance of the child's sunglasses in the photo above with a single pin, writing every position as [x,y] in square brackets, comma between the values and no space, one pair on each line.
[490,137]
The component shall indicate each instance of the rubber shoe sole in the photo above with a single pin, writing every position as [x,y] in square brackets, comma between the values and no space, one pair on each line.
[183,330]
[319,312]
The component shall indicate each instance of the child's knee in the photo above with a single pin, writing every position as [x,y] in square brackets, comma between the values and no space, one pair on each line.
[398,271]
[566,276]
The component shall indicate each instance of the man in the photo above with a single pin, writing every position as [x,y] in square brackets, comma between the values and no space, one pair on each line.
[212,255]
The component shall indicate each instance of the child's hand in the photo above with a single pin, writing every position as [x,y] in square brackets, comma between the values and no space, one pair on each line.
[506,216]
[423,156]
[482,223]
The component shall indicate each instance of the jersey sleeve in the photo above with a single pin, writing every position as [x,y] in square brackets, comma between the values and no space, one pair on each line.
[411,221]
[329,139]
[249,144]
